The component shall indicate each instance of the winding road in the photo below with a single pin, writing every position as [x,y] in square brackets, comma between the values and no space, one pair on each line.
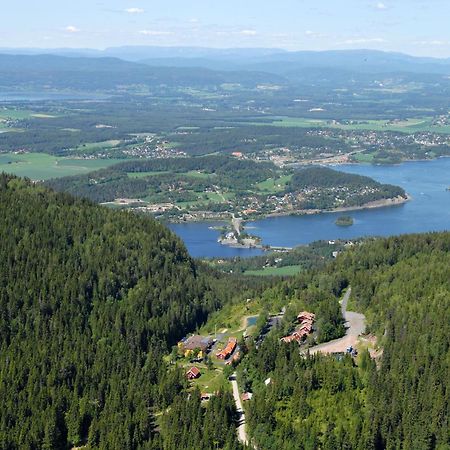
[355,324]
[241,431]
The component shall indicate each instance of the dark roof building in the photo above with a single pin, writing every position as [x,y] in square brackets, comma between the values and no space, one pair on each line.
[197,342]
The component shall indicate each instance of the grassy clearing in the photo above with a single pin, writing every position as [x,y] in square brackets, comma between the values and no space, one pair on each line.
[231,318]
[43,116]
[41,166]
[210,381]
[363,157]
[275,271]
[274,185]
[197,174]
[98,145]
[412,125]
[145,174]
[17,114]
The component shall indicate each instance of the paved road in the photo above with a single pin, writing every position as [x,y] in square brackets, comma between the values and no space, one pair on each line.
[237,223]
[355,324]
[242,433]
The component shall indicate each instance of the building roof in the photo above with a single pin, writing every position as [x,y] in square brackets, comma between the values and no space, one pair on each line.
[193,371]
[228,350]
[196,341]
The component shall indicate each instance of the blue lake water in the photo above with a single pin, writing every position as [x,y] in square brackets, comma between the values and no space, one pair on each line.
[429,210]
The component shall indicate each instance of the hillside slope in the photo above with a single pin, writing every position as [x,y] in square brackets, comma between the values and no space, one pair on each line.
[398,401]
[90,301]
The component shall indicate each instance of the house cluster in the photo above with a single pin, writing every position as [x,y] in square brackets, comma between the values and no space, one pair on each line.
[235,358]
[228,350]
[195,346]
[306,321]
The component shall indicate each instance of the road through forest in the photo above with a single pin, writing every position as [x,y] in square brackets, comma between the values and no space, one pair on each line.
[355,324]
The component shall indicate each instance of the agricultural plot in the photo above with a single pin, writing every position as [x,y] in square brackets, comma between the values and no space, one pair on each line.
[404,126]
[274,185]
[40,166]
[15,114]
[90,146]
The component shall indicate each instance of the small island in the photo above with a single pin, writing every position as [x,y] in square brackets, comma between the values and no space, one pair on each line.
[344,221]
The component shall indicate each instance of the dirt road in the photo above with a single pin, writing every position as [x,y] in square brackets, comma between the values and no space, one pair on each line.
[242,433]
[355,324]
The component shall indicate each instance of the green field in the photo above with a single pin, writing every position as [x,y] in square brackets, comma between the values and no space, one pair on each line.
[210,380]
[145,174]
[274,185]
[98,145]
[363,158]
[18,114]
[275,271]
[41,166]
[404,126]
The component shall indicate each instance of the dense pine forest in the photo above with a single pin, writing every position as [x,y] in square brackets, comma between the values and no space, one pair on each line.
[401,399]
[90,302]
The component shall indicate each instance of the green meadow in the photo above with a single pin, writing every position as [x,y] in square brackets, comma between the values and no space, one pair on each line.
[275,271]
[41,166]
[404,126]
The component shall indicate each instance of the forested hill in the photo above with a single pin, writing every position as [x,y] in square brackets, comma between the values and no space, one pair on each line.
[400,399]
[104,74]
[90,300]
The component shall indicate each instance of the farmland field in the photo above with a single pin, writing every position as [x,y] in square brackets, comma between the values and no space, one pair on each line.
[275,271]
[404,126]
[16,114]
[41,166]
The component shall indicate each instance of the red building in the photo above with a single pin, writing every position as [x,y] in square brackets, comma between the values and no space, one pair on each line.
[192,373]
[228,350]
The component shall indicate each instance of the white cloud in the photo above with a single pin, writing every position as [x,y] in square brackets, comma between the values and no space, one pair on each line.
[434,42]
[248,33]
[381,6]
[134,10]
[72,29]
[362,41]
[155,33]
[314,34]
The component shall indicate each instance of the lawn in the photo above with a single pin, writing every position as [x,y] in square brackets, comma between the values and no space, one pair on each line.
[275,271]
[231,318]
[41,166]
[274,185]
[210,381]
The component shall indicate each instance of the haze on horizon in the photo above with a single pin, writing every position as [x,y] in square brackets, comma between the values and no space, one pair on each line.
[416,27]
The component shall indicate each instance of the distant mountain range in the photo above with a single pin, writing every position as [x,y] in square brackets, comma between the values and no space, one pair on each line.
[270,60]
[84,69]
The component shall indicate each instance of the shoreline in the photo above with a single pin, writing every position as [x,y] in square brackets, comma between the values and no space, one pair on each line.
[383,203]
[395,201]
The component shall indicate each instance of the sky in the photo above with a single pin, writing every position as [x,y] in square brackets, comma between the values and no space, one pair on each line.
[417,27]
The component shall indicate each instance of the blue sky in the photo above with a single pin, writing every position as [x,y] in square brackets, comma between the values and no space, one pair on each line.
[417,27]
